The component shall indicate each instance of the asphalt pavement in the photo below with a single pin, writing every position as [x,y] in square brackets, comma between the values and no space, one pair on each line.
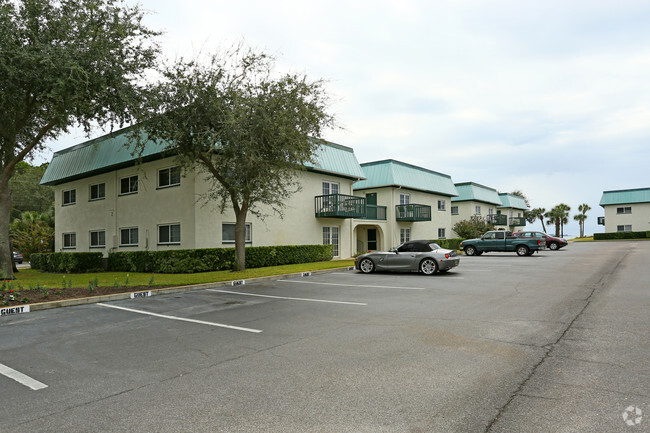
[553,342]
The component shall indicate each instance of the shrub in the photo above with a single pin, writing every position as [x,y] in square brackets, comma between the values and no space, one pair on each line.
[214,259]
[450,244]
[472,228]
[620,235]
[67,262]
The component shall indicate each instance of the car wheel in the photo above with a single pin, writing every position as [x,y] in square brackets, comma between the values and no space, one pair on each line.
[470,251]
[522,250]
[366,266]
[553,246]
[428,266]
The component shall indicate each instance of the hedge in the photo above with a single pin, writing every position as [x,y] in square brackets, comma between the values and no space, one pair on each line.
[450,244]
[214,259]
[67,262]
[621,235]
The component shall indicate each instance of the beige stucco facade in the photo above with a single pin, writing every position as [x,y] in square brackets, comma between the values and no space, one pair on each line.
[389,231]
[636,218]
[184,206]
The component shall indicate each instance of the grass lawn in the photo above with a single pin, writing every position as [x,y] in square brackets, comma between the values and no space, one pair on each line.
[30,278]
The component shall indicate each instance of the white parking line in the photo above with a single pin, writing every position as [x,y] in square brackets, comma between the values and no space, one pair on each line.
[21,378]
[366,285]
[288,298]
[200,322]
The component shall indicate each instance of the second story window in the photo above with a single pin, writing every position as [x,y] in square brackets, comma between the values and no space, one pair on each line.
[404,198]
[624,210]
[478,210]
[129,185]
[441,204]
[330,188]
[169,177]
[98,191]
[69,197]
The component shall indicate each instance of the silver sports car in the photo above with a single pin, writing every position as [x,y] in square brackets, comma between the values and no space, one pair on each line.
[413,256]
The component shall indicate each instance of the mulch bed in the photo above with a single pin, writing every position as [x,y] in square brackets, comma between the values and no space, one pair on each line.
[36,296]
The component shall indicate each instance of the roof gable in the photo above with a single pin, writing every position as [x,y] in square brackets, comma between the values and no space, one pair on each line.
[476,192]
[625,196]
[387,173]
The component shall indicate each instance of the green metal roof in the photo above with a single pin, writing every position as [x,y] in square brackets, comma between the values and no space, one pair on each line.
[625,196]
[396,173]
[512,201]
[476,192]
[113,151]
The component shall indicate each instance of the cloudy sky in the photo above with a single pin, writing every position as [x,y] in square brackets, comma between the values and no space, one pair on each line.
[551,98]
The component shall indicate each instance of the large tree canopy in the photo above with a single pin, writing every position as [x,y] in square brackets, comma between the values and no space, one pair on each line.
[64,63]
[250,130]
[27,192]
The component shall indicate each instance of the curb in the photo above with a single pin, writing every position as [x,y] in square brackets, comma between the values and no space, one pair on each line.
[154,292]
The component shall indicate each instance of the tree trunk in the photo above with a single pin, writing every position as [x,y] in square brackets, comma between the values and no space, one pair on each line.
[543,226]
[6,255]
[240,241]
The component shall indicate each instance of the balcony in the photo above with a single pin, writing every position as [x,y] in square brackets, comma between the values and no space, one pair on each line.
[413,212]
[517,221]
[497,219]
[340,206]
[374,212]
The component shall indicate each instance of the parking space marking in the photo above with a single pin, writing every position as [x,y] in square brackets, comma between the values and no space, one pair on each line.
[182,319]
[21,378]
[365,285]
[288,298]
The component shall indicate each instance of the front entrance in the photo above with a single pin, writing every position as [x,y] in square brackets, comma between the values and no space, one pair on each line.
[372,239]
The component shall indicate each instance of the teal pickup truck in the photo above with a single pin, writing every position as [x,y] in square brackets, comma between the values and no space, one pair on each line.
[502,241]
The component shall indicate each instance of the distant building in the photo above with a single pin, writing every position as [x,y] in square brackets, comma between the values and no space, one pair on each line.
[514,207]
[626,210]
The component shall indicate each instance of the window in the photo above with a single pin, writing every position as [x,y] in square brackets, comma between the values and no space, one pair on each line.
[404,198]
[441,204]
[69,240]
[331,237]
[69,197]
[404,235]
[625,228]
[170,234]
[478,210]
[228,233]
[129,185]
[490,211]
[330,188]
[98,191]
[169,177]
[129,237]
[97,238]
[624,210]
[441,233]
[454,210]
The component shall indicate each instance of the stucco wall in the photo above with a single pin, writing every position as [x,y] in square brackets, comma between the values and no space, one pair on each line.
[639,219]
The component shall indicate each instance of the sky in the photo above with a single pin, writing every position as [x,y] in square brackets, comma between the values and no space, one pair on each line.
[550,98]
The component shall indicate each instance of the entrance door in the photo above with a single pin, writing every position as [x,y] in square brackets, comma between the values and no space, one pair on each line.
[371,206]
[372,239]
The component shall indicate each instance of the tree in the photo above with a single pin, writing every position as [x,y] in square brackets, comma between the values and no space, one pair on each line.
[27,193]
[32,233]
[535,214]
[250,131]
[581,217]
[63,63]
[559,216]
[472,228]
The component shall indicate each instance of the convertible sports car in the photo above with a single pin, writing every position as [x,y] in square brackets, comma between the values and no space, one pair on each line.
[413,256]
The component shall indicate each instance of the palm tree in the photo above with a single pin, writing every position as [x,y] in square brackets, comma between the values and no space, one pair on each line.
[559,216]
[535,214]
[581,217]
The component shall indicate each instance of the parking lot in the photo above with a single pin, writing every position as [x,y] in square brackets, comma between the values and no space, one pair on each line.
[553,342]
